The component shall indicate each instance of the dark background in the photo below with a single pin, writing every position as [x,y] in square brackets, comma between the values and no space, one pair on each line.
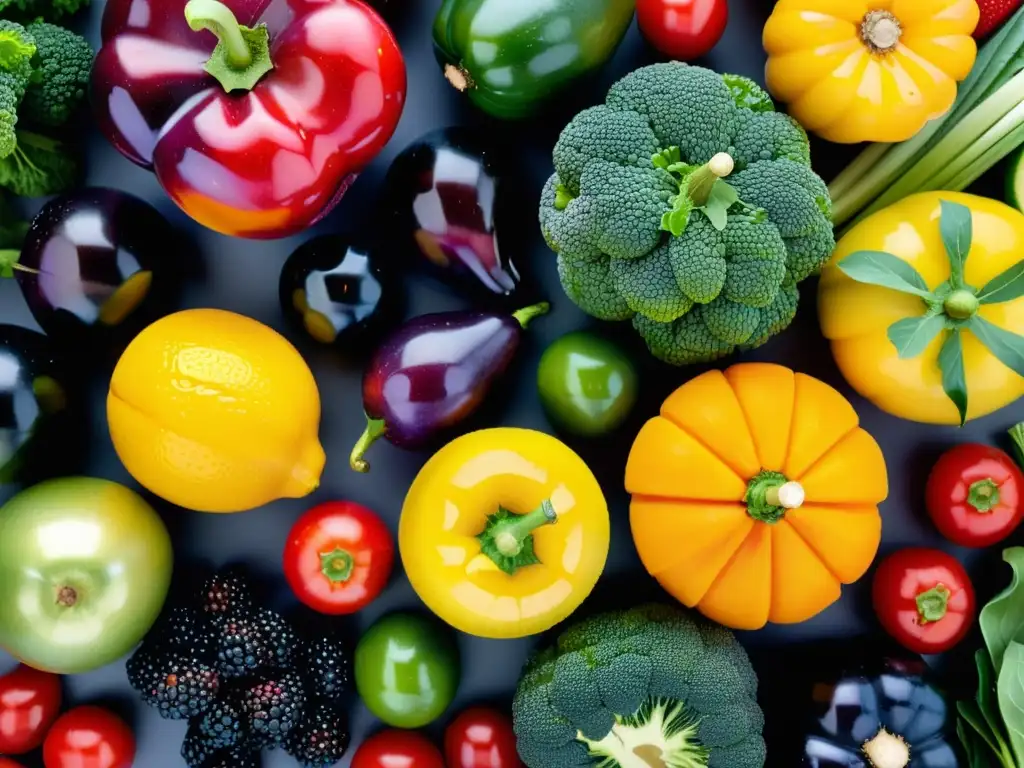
[242,276]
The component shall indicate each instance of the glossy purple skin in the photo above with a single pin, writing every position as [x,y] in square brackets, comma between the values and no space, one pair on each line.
[435,371]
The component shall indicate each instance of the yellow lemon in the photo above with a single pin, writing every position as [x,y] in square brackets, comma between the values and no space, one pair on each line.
[216,412]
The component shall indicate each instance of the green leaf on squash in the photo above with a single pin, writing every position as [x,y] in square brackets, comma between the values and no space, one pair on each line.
[1006,286]
[885,270]
[911,335]
[957,231]
[1007,347]
[954,380]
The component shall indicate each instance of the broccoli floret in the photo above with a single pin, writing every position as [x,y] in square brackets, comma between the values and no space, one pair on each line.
[652,681]
[60,74]
[30,10]
[683,203]
[16,50]
[38,166]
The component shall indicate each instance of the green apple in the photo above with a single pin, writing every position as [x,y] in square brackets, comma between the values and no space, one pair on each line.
[85,566]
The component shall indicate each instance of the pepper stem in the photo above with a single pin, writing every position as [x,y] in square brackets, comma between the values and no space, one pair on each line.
[933,604]
[526,314]
[886,750]
[770,494]
[983,495]
[242,55]
[9,264]
[507,539]
[375,428]
[337,565]
[703,180]
[458,77]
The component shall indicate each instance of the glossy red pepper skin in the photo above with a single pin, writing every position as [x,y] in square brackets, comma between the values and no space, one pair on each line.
[924,599]
[975,495]
[264,163]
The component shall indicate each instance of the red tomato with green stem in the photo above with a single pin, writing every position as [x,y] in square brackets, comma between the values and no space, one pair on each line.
[338,557]
[975,495]
[29,703]
[682,29]
[89,737]
[397,749]
[481,737]
[924,599]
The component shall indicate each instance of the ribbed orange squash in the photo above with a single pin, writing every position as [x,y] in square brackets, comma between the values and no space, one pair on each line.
[755,495]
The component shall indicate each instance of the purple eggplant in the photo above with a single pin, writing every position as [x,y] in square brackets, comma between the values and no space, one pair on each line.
[433,372]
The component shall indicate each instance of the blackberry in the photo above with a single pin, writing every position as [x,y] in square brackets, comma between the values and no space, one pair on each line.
[241,757]
[272,706]
[280,637]
[176,684]
[182,627]
[327,667]
[225,595]
[242,648]
[221,727]
[194,750]
[321,739]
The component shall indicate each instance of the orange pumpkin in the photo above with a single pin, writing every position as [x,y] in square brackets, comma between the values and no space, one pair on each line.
[755,495]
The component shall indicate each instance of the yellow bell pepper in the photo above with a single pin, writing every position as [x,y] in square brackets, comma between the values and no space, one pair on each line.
[854,70]
[504,532]
[858,317]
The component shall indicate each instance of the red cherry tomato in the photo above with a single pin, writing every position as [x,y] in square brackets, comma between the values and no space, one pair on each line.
[924,599]
[397,749]
[975,495]
[29,703]
[481,738]
[338,557]
[89,737]
[682,29]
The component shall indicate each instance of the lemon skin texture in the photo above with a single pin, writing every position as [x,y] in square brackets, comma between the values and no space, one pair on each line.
[216,412]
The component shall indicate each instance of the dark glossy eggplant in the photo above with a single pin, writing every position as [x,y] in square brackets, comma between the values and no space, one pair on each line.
[884,708]
[335,289]
[35,407]
[98,266]
[433,372]
[442,204]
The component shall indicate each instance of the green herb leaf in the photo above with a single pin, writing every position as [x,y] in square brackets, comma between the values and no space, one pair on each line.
[954,381]
[675,220]
[956,228]
[1011,697]
[969,740]
[1006,286]
[988,703]
[911,335]
[722,197]
[1006,346]
[885,270]
[1002,618]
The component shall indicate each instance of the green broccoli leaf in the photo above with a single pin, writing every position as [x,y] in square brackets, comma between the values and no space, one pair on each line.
[723,196]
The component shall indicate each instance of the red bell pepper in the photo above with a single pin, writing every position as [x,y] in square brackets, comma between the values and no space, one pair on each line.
[255,115]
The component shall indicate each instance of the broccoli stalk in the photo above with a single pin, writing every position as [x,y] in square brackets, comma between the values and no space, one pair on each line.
[700,189]
[661,728]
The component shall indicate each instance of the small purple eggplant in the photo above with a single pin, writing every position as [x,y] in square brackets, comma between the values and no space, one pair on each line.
[433,372]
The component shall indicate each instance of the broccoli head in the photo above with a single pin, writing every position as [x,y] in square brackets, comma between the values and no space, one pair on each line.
[687,204]
[16,51]
[30,10]
[653,683]
[60,74]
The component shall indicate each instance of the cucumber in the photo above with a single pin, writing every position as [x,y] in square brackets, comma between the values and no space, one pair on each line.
[1015,180]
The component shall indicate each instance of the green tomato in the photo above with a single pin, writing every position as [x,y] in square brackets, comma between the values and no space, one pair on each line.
[512,55]
[407,670]
[587,384]
[85,566]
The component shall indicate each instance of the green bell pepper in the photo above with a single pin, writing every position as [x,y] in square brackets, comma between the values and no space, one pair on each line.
[511,55]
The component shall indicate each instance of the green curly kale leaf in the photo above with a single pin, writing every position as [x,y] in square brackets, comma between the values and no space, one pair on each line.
[687,204]
[654,683]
